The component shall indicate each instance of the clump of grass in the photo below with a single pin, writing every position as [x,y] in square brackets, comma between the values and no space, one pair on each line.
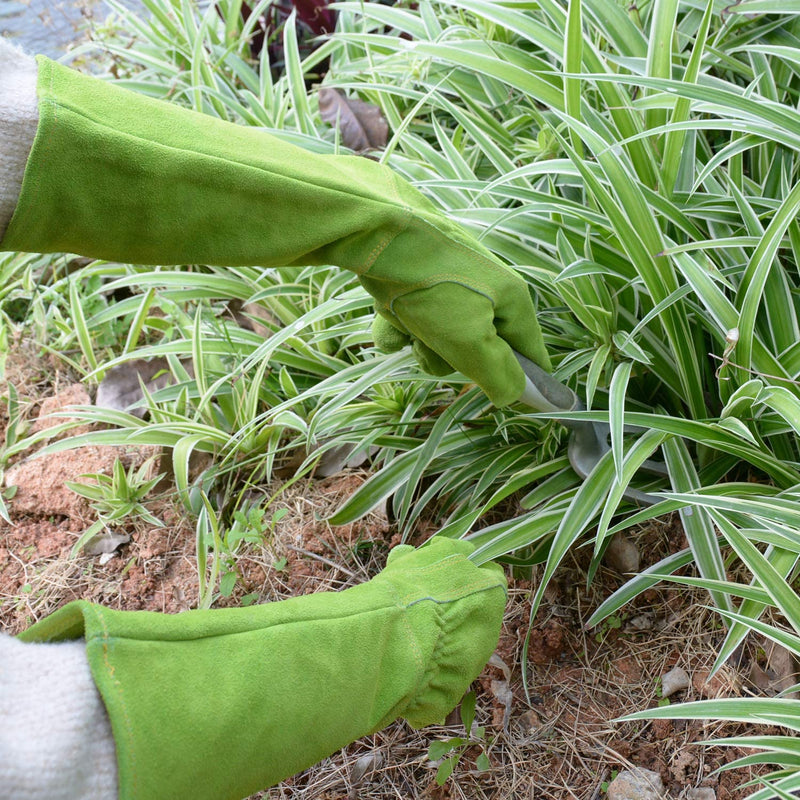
[640,170]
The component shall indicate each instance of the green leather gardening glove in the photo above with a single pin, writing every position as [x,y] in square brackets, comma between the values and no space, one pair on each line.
[116,175]
[215,705]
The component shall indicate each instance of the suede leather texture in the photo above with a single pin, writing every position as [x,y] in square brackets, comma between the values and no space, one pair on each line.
[123,177]
[217,704]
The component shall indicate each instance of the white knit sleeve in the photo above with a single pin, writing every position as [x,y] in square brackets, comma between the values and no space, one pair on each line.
[55,736]
[19,116]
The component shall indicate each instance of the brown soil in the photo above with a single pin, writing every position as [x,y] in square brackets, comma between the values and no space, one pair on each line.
[561,741]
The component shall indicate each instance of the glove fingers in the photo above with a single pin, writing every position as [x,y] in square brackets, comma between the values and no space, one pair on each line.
[398,552]
[387,336]
[516,323]
[430,361]
[458,324]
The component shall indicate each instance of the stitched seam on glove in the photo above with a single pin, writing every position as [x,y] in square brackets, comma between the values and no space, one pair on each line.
[430,284]
[407,217]
[449,595]
[106,643]
[479,259]
[434,665]
[384,243]
[39,187]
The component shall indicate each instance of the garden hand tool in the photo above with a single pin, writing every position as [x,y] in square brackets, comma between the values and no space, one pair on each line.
[119,176]
[217,704]
[588,441]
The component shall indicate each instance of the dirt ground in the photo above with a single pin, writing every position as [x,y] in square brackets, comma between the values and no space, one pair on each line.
[562,743]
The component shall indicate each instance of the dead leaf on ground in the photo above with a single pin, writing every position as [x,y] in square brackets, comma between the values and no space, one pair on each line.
[105,543]
[361,125]
[365,765]
[781,671]
[503,694]
[121,388]
[496,661]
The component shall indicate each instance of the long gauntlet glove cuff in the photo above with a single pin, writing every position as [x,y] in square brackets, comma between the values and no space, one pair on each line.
[214,705]
[116,175]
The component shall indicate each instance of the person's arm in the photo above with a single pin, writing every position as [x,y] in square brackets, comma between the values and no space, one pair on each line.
[19,116]
[116,175]
[215,705]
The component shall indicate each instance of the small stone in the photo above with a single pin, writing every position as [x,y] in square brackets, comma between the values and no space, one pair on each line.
[704,793]
[622,554]
[673,681]
[642,622]
[636,784]
[530,721]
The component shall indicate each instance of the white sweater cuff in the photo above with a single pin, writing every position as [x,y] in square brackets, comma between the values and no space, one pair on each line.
[55,736]
[19,116]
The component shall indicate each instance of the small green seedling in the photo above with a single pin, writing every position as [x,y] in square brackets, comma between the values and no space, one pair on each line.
[604,784]
[248,526]
[116,498]
[662,701]
[251,526]
[451,750]
[614,622]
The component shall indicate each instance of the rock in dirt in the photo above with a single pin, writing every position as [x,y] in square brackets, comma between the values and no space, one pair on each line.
[704,793]
[673,681]
[636,784]
[641,622]
[622,554]
[530,721]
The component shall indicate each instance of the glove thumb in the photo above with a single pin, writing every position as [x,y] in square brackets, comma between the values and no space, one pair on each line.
[388,338]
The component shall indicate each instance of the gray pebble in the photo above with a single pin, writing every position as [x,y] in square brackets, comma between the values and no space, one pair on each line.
[622,554]
[703,793]
[673,681]
[636,784]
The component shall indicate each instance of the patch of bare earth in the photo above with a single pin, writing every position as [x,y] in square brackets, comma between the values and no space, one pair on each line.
[559,742]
